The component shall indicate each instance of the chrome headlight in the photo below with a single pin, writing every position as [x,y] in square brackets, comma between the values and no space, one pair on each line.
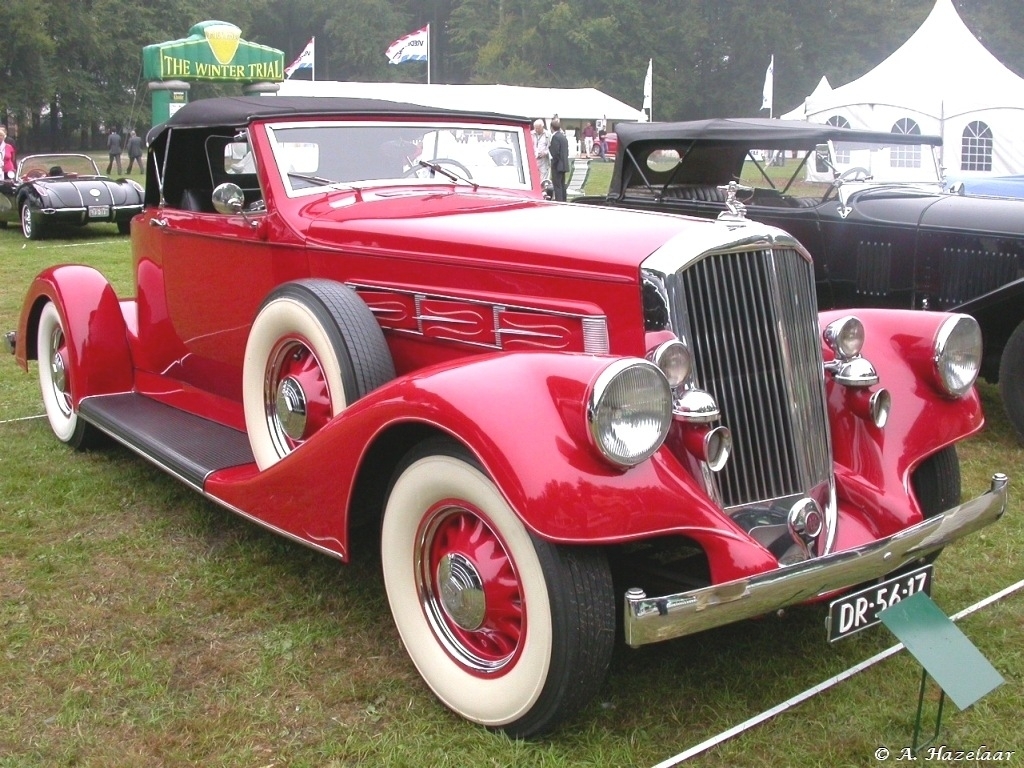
[845,337]
[958,354]
[675,361]
[629,411]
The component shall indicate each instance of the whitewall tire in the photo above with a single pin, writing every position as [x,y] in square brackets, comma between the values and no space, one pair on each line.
[508,630]
[55,381]
[314,348]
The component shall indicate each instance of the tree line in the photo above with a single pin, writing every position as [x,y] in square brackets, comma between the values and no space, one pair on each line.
[71,67]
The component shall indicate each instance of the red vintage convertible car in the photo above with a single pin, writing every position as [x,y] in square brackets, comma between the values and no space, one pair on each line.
[346,315]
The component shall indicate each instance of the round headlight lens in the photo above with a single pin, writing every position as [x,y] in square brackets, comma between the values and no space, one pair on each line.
[675,361]
[630,411]
[845,337]
[958,354]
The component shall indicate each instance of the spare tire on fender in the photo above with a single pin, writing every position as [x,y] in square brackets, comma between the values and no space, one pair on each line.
[314,348]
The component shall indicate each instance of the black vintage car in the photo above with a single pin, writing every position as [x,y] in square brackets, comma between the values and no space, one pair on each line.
[67,189]
[872,208]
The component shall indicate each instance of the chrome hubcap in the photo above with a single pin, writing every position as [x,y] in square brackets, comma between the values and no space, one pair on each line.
[290,404]
[462,591]
[57,372]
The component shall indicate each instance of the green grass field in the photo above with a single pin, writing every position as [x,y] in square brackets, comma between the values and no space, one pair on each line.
[141,625]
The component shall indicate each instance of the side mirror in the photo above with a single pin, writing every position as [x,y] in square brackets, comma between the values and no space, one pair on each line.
[228,198]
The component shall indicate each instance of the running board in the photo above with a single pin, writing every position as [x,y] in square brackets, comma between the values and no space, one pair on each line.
[188,446]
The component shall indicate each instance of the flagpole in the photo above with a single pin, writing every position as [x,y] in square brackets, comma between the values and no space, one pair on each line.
[313,68]
[428,54]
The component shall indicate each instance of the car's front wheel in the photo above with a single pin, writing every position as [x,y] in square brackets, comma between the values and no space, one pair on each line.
[314,348]
[55,382]
[508,630]
[31,222]
[937,486]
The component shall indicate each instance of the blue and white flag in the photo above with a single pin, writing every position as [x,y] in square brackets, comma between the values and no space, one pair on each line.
[413,47]
[305,60]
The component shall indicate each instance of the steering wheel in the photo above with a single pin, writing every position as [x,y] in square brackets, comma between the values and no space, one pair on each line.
[856,173]
[419,172]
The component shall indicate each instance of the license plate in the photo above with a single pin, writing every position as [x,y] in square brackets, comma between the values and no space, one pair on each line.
[99,211]
[859,610]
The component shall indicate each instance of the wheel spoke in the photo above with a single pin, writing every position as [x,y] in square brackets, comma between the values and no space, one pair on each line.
[481,643]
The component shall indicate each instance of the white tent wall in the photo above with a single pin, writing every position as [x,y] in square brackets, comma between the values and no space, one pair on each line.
[574,106]
[943,79]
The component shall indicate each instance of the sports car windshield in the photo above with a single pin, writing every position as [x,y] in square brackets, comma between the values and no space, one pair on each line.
[313,156]
[813,172]
[888,162]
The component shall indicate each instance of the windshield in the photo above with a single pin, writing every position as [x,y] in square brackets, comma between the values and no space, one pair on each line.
[311,156]
[887,162]
[812,173]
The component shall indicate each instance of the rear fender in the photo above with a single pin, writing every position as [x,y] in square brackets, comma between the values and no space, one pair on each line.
[99,357]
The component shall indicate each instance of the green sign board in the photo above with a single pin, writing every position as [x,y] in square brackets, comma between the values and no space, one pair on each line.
[953,661]
[213,51]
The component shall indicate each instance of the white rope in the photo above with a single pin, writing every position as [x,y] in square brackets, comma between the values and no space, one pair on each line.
[823,686]
[22,418]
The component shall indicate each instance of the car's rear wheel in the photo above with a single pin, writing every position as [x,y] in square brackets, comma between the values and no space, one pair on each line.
[1011,380]
[314,348]
[508,630]
[32,226]
[55,382]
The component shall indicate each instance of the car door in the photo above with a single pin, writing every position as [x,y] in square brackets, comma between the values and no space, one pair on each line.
[869,244]
[202,274]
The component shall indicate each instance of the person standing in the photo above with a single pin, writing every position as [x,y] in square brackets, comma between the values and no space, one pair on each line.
[541,148]
[114,150]
[134,149]
[589,132]
[7,155]
[559,147]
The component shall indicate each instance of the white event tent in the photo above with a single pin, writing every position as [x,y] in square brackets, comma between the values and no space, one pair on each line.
[941,81]
[574,104]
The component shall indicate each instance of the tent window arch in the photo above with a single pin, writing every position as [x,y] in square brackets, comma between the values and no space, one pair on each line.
[976,147]
[906,156]
[842,155]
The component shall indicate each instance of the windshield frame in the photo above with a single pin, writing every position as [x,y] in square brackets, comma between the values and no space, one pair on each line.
[466,143]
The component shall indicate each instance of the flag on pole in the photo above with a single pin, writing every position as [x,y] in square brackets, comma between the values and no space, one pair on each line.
[648,93]
[305,60]
[769,86]
[413,47]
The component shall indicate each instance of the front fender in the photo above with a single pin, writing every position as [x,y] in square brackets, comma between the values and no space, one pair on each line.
[922,421]
[94,326]
[523,415]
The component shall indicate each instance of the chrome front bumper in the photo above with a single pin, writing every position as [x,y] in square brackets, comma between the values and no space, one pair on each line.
[652,619]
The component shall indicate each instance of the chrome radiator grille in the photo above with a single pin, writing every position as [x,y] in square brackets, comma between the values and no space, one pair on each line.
[751,320]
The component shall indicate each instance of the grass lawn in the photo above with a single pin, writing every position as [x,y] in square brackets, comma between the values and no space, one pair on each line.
[141,625]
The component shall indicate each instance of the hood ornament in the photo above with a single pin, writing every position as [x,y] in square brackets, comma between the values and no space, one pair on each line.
[735,210]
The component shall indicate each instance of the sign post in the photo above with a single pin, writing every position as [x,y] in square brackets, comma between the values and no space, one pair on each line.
[944,652]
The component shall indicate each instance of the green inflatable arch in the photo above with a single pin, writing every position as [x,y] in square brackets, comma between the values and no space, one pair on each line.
[214,51]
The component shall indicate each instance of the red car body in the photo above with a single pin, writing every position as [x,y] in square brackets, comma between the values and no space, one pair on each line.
[500,378]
